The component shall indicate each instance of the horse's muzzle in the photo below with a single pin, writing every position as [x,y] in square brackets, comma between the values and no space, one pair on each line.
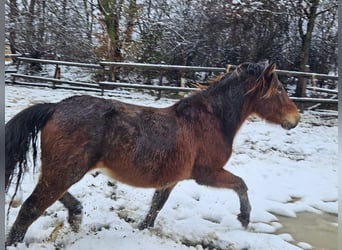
[291,122]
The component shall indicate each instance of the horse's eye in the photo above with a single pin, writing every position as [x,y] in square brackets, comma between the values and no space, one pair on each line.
[280,89]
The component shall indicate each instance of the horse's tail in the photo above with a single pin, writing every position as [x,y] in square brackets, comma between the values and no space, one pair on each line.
[21,132]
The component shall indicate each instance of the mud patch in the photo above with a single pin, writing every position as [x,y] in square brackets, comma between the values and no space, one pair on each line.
[318,230]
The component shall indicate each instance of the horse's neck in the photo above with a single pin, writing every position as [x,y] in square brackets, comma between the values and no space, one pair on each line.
[227,103]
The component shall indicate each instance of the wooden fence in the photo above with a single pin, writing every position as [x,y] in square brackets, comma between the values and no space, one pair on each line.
[101,85]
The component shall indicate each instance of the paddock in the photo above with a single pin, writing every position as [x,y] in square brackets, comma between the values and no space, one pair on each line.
[284,162]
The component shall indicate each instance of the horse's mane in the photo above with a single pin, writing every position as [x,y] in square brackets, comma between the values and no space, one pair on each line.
[250,72]
[226,88]
[253,69]
[233,79]
[229,89]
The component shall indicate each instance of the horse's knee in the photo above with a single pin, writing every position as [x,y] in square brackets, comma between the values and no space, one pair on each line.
[240,187]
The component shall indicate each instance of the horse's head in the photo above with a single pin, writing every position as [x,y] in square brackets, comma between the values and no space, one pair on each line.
[266,96]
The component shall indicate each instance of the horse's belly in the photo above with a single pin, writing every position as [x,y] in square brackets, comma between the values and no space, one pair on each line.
[145,179]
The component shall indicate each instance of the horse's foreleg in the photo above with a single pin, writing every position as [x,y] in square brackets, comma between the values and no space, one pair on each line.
[225,179]
[159,198]
[245,207]
[75,210]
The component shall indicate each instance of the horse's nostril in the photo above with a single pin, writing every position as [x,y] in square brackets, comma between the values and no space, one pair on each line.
[291,122]
[286,125]
[289,125]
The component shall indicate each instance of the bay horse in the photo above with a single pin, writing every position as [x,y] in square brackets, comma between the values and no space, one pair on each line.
[140,146]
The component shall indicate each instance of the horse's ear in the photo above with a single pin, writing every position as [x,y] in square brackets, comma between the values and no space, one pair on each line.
[269,70]
[265,82]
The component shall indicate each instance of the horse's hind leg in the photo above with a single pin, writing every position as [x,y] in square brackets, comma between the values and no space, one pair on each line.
[159,198]
[225,179]
[44,195]
[74,208]
[53,183]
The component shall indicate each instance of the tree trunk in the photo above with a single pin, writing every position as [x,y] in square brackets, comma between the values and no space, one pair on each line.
[132,11]
[306,42]
[89,10]
[111,12]
[13,14]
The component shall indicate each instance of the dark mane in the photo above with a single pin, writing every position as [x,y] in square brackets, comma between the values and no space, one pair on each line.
[229,88]
[252,69]
[224,99]
[249,72]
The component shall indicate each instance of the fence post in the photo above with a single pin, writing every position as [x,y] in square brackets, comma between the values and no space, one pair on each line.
[18,64]
[182,83]
[57,74]
[302,83]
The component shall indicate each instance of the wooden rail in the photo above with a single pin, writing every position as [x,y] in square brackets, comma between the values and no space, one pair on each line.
[12,55]
[306,75]
[101,86]
[102,64]
[159,67]
[55,81]
[211,69]
[314,100]
[163,67]
[330,91]
[66,63]
[111,85]
[36,84]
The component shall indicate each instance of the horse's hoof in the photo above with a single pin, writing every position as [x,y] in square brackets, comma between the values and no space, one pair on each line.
[142,226]
[145,224]
[10,243]
[13,238]
[75,222]
[244,219]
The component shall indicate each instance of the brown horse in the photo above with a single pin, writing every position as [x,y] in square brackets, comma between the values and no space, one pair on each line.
[141,146]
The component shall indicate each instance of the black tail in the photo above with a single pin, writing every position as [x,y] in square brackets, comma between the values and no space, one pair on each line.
[21,132]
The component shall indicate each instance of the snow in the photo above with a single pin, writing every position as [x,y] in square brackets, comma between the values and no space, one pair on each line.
[286,171]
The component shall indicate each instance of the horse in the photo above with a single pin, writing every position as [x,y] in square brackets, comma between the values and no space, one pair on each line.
[141,146]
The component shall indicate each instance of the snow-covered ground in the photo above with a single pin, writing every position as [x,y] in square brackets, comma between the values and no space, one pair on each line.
[286,171]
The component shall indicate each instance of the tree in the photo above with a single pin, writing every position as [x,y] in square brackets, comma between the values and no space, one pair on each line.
[50,29]
[12,17]
[111,11]
[187,32]
[308,13]
[203,33]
